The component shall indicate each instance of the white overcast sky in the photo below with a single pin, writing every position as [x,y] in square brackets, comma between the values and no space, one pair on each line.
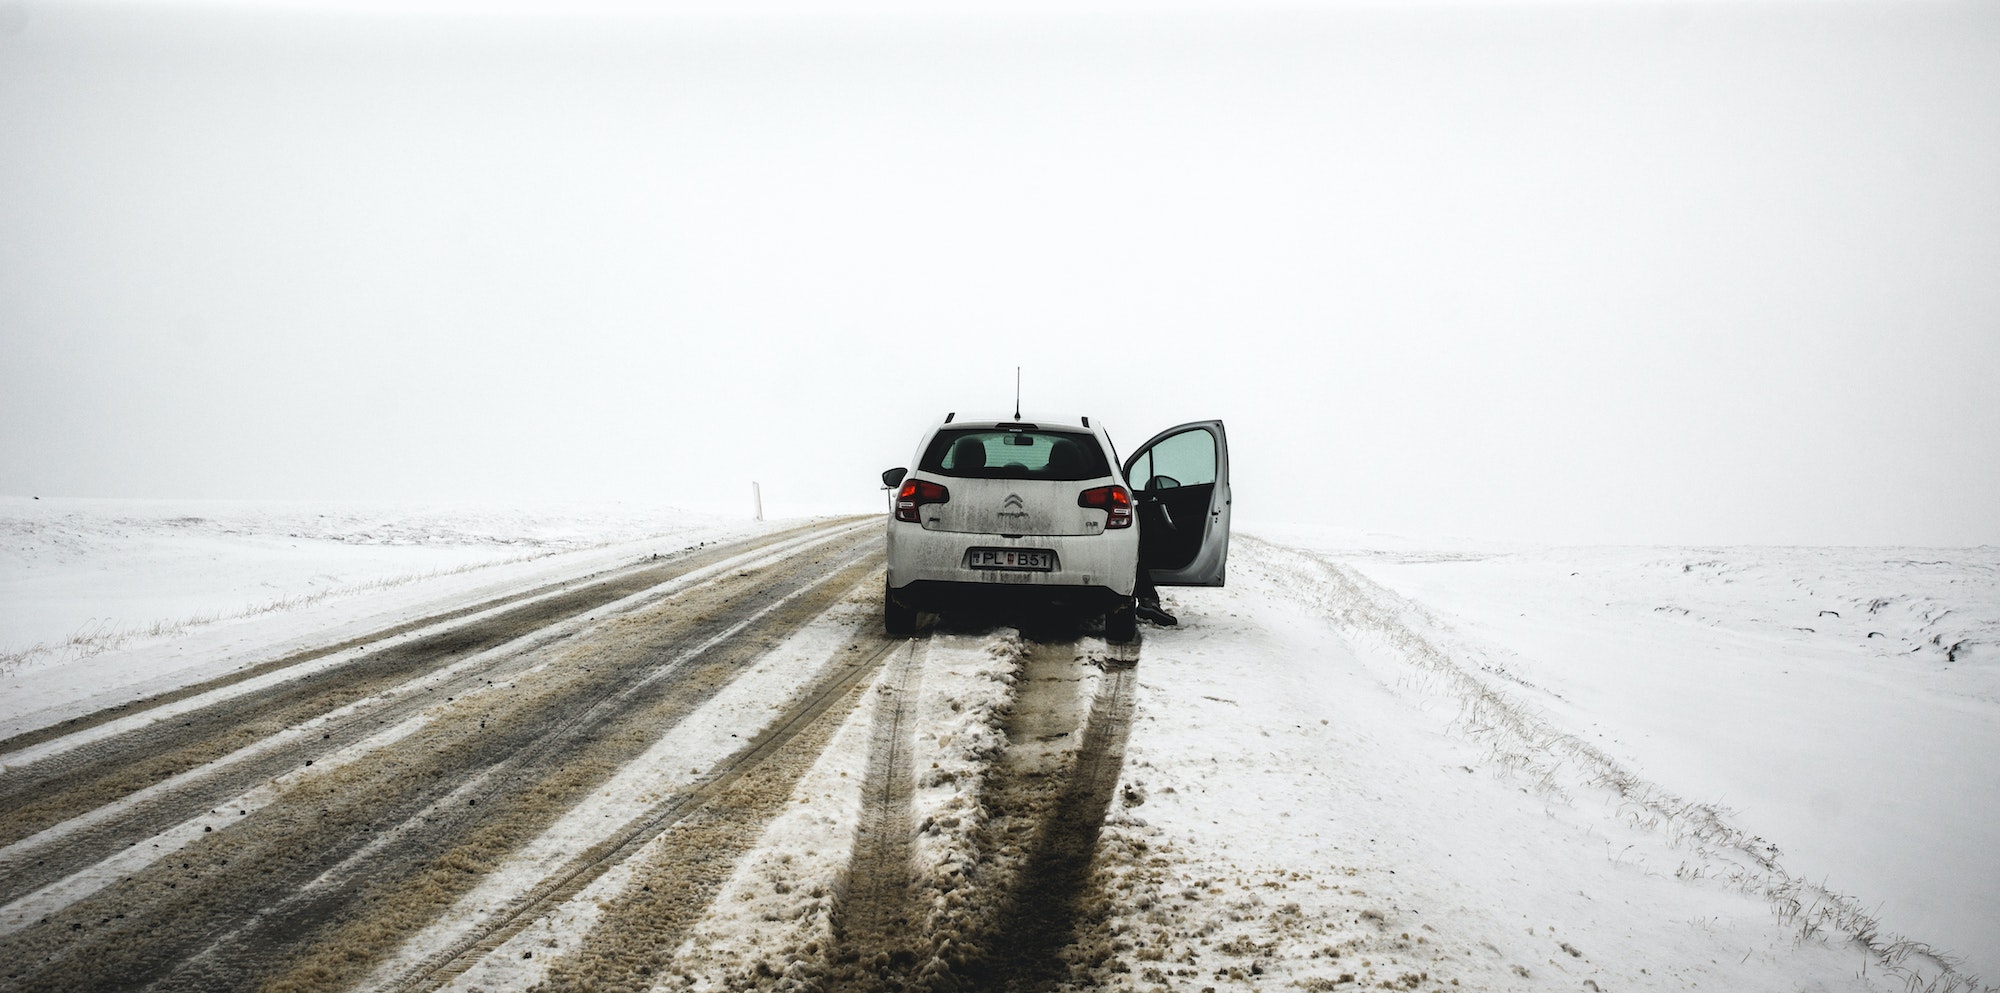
[1578,272]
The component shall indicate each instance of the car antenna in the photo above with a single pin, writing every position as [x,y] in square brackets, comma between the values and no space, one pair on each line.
[1017,393]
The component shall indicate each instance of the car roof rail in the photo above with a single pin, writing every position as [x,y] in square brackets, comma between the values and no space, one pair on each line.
[949,416]
[1086,420]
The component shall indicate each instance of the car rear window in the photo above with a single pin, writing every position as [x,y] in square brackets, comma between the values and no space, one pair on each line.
[1001,453]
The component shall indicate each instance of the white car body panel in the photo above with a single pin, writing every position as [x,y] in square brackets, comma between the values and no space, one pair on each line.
[1014,514]
[927,558]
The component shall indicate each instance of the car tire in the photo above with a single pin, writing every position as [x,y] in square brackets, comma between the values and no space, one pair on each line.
[898,621]
[1121,624]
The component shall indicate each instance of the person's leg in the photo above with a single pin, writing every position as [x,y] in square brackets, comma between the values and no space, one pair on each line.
[1149,601]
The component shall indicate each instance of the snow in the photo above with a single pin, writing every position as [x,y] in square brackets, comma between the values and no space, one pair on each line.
[673,763]
[78,575]
[1342,829]
[780,900]
[103,601]
[1368,759]
[1725,676]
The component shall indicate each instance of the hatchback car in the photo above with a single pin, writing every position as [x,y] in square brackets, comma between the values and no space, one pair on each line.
[1044,511]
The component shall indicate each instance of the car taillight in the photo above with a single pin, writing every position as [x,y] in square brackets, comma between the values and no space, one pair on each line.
[1115,501]
[914,494]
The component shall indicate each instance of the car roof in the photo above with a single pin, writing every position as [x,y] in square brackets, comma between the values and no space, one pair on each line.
[1064,424]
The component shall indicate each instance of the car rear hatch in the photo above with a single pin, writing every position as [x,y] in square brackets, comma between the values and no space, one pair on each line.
[1016,507]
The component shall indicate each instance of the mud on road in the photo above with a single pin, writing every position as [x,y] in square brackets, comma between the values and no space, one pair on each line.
[585,786]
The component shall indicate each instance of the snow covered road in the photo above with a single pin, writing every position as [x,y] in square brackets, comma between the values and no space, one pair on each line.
[696,764]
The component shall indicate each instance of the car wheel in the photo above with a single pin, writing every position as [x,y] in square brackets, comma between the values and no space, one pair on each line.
[1121,624]
[897,620]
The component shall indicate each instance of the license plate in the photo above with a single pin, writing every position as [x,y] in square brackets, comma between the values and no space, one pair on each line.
[1020,559]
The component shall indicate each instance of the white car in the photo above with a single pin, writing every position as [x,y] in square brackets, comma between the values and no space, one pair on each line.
[1045,512]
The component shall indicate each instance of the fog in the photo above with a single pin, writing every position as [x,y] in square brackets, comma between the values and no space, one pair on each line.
[1590,272]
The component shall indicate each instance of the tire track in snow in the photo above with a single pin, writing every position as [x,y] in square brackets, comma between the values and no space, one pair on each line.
[240,905]
[704,836]
[231,781]
[714,661]
[192,732]
[876,918]
[152,707]
[1000,920]
[821,701]
[1038,917]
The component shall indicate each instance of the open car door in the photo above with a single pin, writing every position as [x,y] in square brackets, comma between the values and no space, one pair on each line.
[1181,479]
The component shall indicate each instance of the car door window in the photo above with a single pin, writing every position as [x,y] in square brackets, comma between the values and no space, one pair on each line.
[1181,479]
[1185,459]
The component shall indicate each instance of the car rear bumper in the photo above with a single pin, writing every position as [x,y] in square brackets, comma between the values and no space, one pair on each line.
[928,568]
[939,597]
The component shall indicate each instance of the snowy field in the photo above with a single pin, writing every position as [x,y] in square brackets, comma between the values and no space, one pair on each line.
[1369,760]
[1823,719]
[106,597]
[1842,702]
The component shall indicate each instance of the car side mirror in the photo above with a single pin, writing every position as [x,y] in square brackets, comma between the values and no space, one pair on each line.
[893,478]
